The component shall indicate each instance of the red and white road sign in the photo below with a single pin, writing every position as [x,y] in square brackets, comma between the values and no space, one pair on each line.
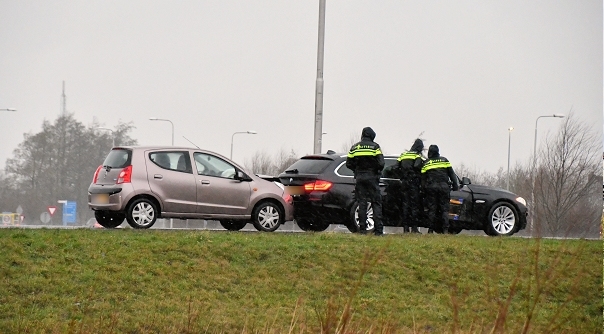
[52,209]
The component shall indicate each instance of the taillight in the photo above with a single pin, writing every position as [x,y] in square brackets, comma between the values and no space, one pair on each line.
[125,175]
[96,174]
[318,185]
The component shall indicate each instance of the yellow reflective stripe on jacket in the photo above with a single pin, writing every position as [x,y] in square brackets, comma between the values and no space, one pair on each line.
[408,156]
[435,164]
[364,152]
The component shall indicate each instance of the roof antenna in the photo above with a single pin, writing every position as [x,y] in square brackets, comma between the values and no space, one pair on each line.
[191,142]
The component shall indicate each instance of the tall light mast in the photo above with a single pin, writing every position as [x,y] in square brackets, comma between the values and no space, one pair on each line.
[319,90]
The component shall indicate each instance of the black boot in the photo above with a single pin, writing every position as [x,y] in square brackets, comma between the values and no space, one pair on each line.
[415,230]
[405,229]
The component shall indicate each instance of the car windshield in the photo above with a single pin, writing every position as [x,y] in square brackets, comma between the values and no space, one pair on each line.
[309,166]
[118,158]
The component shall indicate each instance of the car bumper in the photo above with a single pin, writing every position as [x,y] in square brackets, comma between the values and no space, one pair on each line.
[109,198]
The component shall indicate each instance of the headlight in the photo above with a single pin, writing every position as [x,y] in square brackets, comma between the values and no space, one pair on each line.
[521,200]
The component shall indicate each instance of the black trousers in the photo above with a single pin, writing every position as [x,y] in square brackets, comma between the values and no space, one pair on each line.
[437,201]
[367,190]
[411,203]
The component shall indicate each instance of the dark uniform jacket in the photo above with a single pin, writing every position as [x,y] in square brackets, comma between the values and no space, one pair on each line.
[437,170]
[410,162]
[366,156]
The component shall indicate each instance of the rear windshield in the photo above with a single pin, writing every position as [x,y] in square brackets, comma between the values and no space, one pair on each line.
[118,158]
[309,166]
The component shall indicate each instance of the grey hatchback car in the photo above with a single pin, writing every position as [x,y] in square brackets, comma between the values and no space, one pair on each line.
[141,184]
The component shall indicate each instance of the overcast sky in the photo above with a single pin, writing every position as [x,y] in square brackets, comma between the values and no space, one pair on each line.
[461,72]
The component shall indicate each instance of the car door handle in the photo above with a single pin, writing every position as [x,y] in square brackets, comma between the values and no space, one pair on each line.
[158,176]
[205,182]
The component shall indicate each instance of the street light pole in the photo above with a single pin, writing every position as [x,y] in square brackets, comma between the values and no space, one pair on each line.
[233,136]
[531,224]
[112,135]
[510,129]
[166,120]
[319,82]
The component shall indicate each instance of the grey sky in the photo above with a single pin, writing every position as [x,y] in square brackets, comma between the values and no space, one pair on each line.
[461,71]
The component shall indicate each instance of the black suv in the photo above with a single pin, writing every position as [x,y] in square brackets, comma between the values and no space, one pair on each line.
[322,188]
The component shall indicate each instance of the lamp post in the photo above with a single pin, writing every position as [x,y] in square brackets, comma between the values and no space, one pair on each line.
[8,109]
[531,224]
[165,120]
[233,136]
[510,129]
[112,135]
[319,82]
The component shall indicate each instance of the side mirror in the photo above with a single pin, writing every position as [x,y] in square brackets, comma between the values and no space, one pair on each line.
[465,181]
[241,176]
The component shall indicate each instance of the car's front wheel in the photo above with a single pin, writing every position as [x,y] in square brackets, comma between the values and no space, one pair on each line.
[311,225]
[233,225]
[267,217]
[502,220]
[142,213]
[109,219]
[353,226]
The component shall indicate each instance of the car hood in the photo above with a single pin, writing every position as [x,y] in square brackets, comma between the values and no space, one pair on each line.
[481,189]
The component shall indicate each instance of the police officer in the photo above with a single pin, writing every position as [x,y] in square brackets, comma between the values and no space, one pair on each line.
[365,159]
[410,166]
[438,178]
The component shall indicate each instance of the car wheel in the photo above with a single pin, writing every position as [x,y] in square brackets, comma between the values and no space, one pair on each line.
[354,219]
[233,225]
[311,225]
[455,230]
[502,220]
[142,213]
[267,217]
[109,219]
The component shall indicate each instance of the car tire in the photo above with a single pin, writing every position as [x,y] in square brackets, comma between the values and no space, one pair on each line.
[233,225]
[310,225]
[502,220]
[141,213]
[267,217]
[455,230]
[109,219]
[353,225]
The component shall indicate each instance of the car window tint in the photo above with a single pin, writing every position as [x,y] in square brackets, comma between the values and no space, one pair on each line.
[118,158]
[177,161]
[343,170]
[390,169]
[310,166]
[211,165]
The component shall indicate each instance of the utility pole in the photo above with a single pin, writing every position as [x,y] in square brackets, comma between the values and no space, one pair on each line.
[63,101]
[319,90]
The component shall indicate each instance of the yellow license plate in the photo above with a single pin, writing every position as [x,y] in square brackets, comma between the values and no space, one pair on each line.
[100,199]
[294,190]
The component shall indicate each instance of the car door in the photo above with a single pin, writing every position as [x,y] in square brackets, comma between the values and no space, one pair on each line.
[218,192]
[171,178]
[460,205]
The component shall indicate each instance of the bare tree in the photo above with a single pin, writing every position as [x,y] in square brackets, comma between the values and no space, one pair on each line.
[353,138]
[262,163]
[567,182]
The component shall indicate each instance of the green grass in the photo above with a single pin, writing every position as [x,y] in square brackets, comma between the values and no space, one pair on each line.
[130,281]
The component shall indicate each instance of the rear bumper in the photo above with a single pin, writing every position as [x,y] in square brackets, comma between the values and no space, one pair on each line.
[109,198]
[318,211]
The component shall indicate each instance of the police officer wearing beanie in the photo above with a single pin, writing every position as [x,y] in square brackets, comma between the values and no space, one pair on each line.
[410,166]
[366,160]
[438,178]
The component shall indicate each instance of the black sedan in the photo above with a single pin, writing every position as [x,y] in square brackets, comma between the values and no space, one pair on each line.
[322,188]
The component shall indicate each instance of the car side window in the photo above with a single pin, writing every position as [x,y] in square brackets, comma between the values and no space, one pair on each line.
[390,169]
[211,165]
[342,170]
[176,161]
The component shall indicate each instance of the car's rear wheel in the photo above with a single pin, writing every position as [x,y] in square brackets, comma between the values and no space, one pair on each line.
[306,224]
[109,219]
[233,225]
[267,217]
[353,226]
[142,213]
[503,219]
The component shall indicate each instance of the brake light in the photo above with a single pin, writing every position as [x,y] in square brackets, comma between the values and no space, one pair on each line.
[125,175]
[318,185]
[96,174]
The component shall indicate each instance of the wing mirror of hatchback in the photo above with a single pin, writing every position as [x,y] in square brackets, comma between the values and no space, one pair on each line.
[465,181]
[241,176]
